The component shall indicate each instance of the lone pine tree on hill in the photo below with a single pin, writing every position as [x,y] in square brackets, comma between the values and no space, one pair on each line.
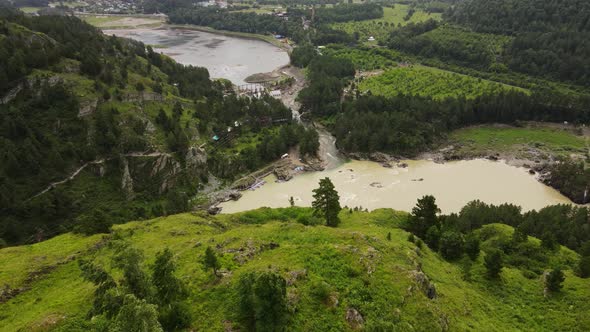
[326,202]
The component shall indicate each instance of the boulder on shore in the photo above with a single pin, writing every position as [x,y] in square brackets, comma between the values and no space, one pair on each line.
[214,210]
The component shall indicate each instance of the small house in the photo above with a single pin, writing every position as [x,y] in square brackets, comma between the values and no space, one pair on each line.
[275,93]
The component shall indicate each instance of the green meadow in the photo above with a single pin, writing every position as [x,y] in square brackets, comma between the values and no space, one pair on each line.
[328,271]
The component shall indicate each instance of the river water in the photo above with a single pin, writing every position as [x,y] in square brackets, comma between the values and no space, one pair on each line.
[359,183]
[224,56]
[370,185]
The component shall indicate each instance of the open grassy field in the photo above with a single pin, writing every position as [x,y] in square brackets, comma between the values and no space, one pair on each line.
[382,27]
[354,263]
[429,81]
[30,10]
[520,141]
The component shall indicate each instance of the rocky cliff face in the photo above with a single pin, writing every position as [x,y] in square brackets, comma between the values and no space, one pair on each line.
[154,173]
[159,172]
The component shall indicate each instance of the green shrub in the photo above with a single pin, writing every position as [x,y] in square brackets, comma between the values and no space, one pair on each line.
[554,280]
[175,316]
[320,290]
[94,223]
[309,220]
[493,262]
[262,301]
[419,243]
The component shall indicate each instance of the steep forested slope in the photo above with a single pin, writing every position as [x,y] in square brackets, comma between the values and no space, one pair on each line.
[94,126]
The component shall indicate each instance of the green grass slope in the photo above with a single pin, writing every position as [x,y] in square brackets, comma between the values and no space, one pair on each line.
[531,141]
[354,266]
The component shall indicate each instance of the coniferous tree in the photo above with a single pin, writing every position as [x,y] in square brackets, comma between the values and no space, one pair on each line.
[210,260]
[424,216]
[135,281]
[548,241]
[472,246]
[554,280]
[452,245]
[493,262]
[519,235]
[326,203]
[432,237]
[262,301]
[168,287]
[104,283]
[169,293]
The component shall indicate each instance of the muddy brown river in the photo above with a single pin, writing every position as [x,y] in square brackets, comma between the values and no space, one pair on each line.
[370,185]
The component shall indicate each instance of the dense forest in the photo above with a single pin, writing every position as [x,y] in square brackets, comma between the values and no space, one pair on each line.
[551,37]
[328,77]
[405,125]
[233,21]
[565,224]
[516,16]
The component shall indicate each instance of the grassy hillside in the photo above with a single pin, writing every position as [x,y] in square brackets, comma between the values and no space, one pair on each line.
[529,142]
[328,272]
